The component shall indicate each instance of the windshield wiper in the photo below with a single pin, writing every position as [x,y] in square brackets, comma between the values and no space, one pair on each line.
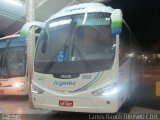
[88,67]
[63,50]
[79,53]
[65,54]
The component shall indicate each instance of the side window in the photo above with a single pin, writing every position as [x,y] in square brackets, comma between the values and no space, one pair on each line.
[125,44]
[37,33]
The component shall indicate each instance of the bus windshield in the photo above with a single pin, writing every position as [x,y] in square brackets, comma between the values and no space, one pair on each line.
[75,44]
[12,58]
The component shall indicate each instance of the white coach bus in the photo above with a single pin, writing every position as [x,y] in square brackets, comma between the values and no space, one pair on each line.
[13,66]
[86,60]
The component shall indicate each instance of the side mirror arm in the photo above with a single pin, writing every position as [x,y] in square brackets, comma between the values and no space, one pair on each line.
[25,29]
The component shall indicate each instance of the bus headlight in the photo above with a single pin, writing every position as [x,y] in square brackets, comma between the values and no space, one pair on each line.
[36,90]
[17,84]
[109,90]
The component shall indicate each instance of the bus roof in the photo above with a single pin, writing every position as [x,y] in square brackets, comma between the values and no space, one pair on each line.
[82,8]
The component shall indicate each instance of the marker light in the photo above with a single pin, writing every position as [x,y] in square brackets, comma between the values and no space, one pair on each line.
[36,90]
[59,23]
[14,2]
[114,45]
[146,57]
[131,55]
[17,84]
[109,90]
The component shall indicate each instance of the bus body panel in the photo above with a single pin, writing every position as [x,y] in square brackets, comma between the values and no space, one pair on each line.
[50,97]
[82,8]
[84,102]
[13,84]
[83,82]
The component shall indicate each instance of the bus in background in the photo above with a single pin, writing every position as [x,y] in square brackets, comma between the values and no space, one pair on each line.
[13,66]
[85,60]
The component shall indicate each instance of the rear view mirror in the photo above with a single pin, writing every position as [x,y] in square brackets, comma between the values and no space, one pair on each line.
[116,22]
[25,29]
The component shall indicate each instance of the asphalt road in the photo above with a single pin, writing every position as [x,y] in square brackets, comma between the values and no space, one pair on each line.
[145,94]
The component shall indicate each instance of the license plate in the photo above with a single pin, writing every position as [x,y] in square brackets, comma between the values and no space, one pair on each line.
[66,103]
[1,92]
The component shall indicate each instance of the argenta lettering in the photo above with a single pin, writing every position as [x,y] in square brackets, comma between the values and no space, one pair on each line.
[74,9]
[64,83]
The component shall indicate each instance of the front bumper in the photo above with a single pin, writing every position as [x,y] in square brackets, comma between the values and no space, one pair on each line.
[81,103]
[22,90]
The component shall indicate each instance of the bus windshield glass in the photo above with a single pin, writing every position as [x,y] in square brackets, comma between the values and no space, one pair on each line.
[74,44]
[12,58]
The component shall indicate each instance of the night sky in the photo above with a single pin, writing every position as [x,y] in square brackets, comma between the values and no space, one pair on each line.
[143,17]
